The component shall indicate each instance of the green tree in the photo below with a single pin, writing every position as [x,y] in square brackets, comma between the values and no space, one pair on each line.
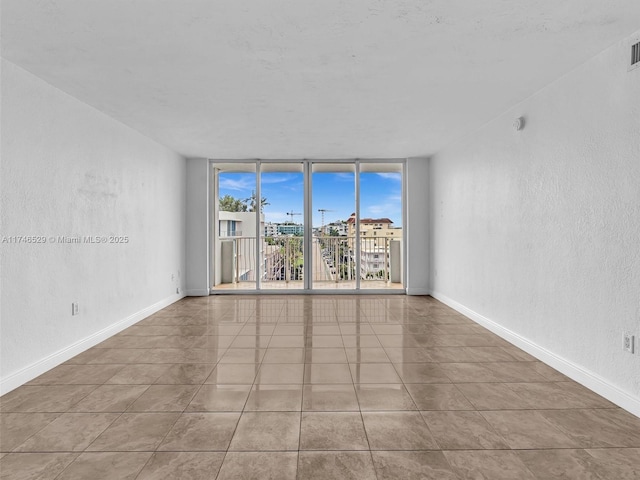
[250,202]
[232,204]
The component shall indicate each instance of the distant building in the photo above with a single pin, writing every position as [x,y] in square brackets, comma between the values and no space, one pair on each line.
[270,229]
[235,246]
[291,229]
[375,237]
[340,228]
[374,228]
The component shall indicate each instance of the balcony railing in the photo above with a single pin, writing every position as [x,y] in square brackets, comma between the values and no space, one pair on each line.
[334,259]
[230,233]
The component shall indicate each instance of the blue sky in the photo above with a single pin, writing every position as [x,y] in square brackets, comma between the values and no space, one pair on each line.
[380,195]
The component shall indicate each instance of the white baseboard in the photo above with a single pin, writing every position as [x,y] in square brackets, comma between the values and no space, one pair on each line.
[194,292]
[572,370]
[30,372]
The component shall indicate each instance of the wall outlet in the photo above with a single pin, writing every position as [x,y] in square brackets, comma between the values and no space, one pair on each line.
[628,341]
[75,308]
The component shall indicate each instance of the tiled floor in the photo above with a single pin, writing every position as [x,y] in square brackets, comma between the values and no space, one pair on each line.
[242,387]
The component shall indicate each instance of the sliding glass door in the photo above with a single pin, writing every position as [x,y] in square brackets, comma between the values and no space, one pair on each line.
[307,225]
[282,236]
[333,204]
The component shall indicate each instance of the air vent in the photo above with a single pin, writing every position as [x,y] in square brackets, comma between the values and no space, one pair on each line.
[635,55]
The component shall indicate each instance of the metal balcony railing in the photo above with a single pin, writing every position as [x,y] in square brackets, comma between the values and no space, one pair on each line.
[334,259]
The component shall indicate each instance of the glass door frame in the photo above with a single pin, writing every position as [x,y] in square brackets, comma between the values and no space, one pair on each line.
[307,164]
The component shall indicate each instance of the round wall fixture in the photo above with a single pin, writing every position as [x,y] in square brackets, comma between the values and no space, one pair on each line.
[518,124]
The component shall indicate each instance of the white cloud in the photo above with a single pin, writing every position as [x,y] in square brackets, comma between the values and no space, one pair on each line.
[390,176]
[267,178]
[239,183]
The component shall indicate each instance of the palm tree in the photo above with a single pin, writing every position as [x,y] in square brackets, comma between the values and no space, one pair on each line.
[251,202]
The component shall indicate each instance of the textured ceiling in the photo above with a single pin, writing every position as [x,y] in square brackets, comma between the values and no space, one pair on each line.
[307,79]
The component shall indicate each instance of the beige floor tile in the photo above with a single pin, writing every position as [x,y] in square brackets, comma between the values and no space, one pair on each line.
[422,372]
[257,329]
[438,397]
[31,466]
[229,373]
[325,355]
[254,341]
[50,398]
[118,356]
[397,431]
[185,374]
[409,355]
[219,398]
[77,375]
[106,466]
[324,329]
[342,465]
[182,465]
[290,329]
[560,464]
[374,373]
[387,329]
[139,374]
[361,341]
[324,341]
[487,354]
[493,396]
[381,397]
[15,428]
[412,466]
[267,431]
[327,373]
[488,465]
[598,427]
[463,430]
[332,431]
[201,432]
[287,341]
[280,374]
[589,398]
[275,398]
[617,463]
[398,341]
[134,432]
[110,398]
[473,373]
[367,355]
[243,355]
[323,397]
[70,432]
[164,398]
[284,355]
[259,466]
[526,429]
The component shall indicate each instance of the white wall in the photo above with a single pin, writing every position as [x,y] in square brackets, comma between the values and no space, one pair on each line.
[198,225]
[537,233]
[417,226]
[69,170]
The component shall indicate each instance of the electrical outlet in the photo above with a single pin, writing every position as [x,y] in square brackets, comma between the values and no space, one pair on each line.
[75,308]
[628,341]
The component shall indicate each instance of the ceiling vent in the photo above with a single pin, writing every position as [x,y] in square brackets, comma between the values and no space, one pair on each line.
[635,55]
